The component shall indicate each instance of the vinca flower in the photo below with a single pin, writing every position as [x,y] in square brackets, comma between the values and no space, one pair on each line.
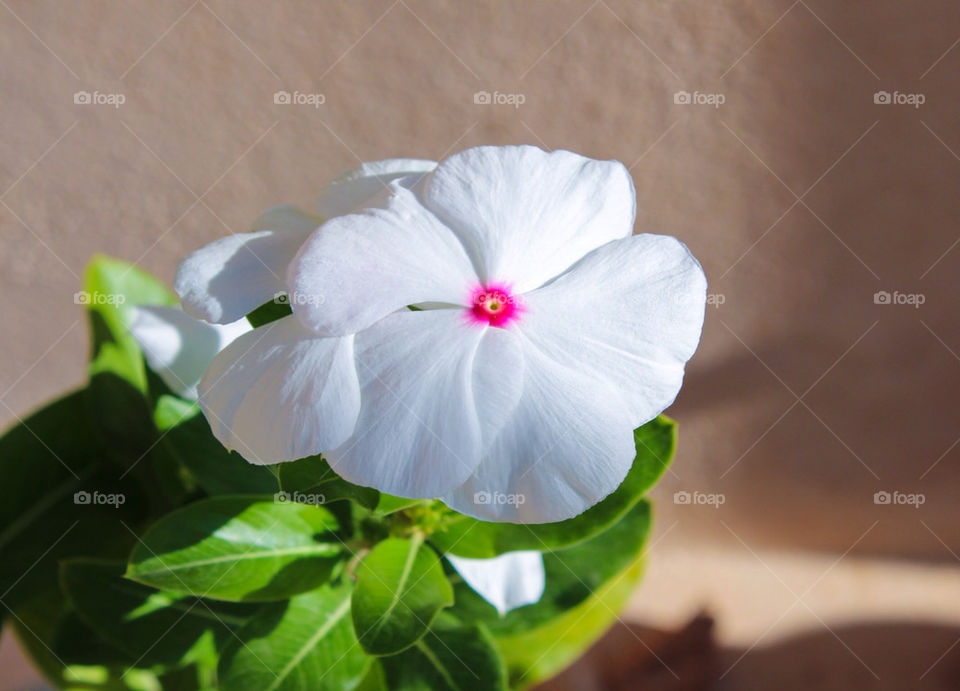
[543,333]
[179,349]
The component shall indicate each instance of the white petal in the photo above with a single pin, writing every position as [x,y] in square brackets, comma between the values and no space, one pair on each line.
[358,268]
[630,313]
[178,347]
[280,393]
[527,215]
[507,581]
[567,444]
[419,433]
[604,350]
[352,189]
[223,281]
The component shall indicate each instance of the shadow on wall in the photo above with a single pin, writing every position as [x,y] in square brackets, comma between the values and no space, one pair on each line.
[875,656]
[829,370]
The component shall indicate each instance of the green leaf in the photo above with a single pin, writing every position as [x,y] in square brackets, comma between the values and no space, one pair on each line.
[61,646]
[448,658]
[187,440]
[45,461]
[132,616]
[241,548]
[269,312]
[111,288]
[586,586]
[468,537]
[305,644]
[387,504]
[314,478]
[400,589]
[118,377]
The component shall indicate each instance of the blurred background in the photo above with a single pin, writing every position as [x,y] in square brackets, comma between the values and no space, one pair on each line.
[807,151]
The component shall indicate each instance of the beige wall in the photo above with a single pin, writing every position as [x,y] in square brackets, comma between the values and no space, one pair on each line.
[199,148]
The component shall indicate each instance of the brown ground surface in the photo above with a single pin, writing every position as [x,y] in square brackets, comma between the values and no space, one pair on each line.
[801,196]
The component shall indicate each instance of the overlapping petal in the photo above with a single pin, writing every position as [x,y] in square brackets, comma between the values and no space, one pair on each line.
[629,313]
[605,346]
[360,267]
[280,392]
[567,444]
[223,281]
[178,347]
[427,401]
[526,215]
[353,188]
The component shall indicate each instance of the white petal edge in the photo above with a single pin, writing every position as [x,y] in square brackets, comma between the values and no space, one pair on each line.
[223,281]
[178,347]
[526,215]
[604,352]
[567,445]
[629,313]
[358,268]
[424,407]
[507,581]
[352,189]
[280,393]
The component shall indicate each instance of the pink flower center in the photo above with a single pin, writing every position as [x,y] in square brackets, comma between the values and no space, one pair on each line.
[494,304]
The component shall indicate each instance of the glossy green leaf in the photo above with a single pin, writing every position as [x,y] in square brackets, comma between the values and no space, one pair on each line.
[586,585]
[111,288]
[118,376]
[132,616]
[387,504]
[542,652]
[187,439]
[58,498]
[400,589]
[240,548]
[448,658]
[304,644]
[468,537]
[314,478]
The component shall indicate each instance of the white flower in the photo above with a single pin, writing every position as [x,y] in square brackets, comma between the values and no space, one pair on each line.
[299,393]
[178,347]
[546,334]
[507,581]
